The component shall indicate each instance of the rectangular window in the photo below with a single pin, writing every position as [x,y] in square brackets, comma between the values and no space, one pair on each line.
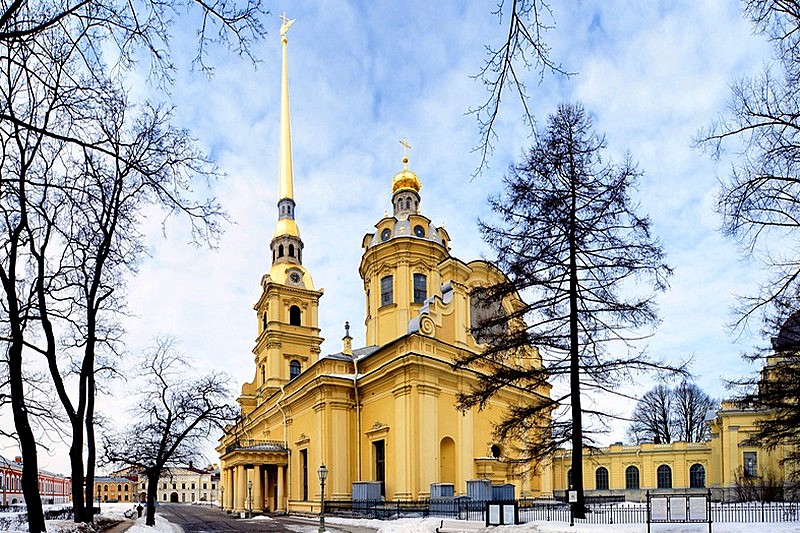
[205,486]
[379,447]
[750,464]
[420,288]
[387,290]
[304,470]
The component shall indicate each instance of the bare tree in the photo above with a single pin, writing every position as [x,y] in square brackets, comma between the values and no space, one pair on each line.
[77,167]
[523,48]
[758,201]
[173,418]
[665,414]
[568,239]
[653,417]
[760,206]
[691,405]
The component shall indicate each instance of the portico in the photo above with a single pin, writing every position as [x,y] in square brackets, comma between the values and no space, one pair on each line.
[254,470]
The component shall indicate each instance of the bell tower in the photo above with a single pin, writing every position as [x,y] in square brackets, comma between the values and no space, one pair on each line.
[288,340]
[399,264]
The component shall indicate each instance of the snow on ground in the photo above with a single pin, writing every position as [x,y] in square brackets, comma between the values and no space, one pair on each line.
[115,511]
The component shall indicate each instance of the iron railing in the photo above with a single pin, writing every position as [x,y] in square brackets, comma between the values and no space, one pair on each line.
[553,511]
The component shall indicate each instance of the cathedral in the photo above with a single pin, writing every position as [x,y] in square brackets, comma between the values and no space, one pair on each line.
[382,420]
[381,417]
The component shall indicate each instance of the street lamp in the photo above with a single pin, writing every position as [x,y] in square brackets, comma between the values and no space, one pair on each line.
[322,473]
[250,497]
[222,498]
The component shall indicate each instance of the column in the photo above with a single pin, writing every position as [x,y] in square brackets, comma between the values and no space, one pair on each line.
[228,494]
[258,489]
[281,490]
[241,490]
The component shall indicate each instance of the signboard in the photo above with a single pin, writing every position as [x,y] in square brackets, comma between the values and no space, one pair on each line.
[698,508]
[494,515]
[658,508]
[677,508]
[572,496]
[509,517]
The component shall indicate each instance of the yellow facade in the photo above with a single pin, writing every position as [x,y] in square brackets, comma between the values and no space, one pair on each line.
[386,412]
[727,461]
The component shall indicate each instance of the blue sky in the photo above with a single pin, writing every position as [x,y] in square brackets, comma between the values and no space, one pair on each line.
[364,75]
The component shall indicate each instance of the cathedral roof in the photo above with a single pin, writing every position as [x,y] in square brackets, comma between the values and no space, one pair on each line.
[358,353]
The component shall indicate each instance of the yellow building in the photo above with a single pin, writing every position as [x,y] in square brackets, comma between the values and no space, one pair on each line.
[115,489]
[727,464]
[730,463]
[385,413]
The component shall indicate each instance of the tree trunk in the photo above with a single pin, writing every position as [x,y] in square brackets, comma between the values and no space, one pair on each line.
[27,442]
[80,507]
[91,446]
[152,497]
[574,362]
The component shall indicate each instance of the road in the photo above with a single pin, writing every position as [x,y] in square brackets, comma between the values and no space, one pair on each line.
[203,519]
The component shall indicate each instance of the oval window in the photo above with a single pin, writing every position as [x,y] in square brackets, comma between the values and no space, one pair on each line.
[385,234]
[419,231]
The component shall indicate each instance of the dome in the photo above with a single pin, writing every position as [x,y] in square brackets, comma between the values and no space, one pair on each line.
[789,335]
[405,180]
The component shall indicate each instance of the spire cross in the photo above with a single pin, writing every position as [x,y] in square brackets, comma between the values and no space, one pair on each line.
[406,148]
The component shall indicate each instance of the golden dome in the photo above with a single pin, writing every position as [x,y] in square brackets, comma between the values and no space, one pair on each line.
[405,179]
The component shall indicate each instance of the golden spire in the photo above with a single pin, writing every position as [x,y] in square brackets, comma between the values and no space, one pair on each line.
[286,189]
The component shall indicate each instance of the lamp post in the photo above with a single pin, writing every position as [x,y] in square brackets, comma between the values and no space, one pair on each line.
[222,498]
[250,498]
[322,473]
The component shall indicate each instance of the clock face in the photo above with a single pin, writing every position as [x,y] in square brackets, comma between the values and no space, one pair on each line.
[419,231]
[294,277]
[385,234]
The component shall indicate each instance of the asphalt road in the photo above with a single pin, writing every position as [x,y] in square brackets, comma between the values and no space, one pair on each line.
[203,519]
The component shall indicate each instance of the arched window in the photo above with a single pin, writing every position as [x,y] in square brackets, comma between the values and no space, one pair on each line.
[119,488]
[569,479]
[387,290]
[294,316]
[126,487]
[280,250]
[631,477]
[263,373]
[294,369]
[408,203]
[291,250]
[264,320]
[601,478]
[420,288]
[664,477]
[697,476]
[105,488]
[496,451]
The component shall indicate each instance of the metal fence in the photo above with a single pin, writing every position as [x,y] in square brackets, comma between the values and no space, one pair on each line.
[549,510]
